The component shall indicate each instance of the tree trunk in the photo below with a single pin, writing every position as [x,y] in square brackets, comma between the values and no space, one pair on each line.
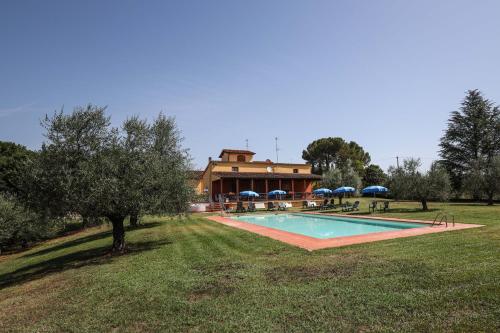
[134,219]
[118,233]
[424,204]
[490,199]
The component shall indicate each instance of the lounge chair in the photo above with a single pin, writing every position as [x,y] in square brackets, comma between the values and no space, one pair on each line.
[372,206]
[305,204]
[351,208]
[240,208]
[332,204]
[282,206]
[251,207]
[325,204]
[385,207]
[312,204]
[271,206]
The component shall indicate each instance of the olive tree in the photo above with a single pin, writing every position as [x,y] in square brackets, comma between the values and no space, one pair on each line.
[18,225]
[343,176]
[407,182]
[88,167]
[153,180]
[484,178]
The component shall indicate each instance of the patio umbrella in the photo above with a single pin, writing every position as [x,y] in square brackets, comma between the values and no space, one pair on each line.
[344,189]
[374,189]
[249,194]
[323,191]
[276,193]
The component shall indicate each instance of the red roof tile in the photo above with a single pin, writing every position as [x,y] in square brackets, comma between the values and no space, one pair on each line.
[236,151]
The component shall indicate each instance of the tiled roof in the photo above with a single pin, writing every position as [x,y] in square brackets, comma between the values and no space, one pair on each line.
[270,175]
[195,174]
[235,151]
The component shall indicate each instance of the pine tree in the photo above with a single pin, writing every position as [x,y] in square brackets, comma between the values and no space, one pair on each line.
[473,134]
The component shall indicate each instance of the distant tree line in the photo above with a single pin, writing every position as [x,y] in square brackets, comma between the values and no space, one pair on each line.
[88,168]
[469,165]
[342,163]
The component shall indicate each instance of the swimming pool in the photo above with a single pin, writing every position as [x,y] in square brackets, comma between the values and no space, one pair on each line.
[324,227]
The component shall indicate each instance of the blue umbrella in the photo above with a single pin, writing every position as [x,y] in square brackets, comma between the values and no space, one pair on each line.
[249,194]
[344,189]
[277,192]
[323,191]
[374,189]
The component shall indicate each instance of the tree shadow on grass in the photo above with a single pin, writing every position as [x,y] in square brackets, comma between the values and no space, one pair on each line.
[90,257]
[85,239]
[70,243]
[141,226]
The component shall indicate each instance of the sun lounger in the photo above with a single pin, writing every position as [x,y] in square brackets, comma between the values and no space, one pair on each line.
[385,207]
[332,204]
[351,208]
[251,207]
[240,208]
[284,205]
[271,206]
[324,205]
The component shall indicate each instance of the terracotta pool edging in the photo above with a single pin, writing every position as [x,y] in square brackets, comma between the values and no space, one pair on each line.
[311,243]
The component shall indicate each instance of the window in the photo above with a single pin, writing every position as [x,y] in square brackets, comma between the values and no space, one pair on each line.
[295,170]
[235,169]
[240,158]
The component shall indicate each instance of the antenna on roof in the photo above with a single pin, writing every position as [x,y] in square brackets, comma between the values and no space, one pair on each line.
[277,149]
[246,140]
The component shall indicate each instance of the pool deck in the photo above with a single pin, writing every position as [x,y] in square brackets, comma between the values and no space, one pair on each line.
[311,243]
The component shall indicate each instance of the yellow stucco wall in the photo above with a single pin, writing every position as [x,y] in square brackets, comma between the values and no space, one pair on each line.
[253,167]
[233,157]
[199,186]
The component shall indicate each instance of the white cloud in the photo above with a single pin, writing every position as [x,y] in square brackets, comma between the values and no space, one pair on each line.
[18,109]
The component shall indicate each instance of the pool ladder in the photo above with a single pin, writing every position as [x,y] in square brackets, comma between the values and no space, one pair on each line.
[442,217]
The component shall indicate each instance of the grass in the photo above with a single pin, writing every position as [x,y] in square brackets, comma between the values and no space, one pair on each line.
[196,275]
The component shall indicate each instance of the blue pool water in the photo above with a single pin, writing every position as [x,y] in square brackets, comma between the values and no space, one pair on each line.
[325,226]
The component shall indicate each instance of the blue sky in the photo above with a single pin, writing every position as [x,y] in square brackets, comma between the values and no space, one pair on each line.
[385,74]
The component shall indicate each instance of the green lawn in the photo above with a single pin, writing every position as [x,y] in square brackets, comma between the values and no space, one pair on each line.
[197,275]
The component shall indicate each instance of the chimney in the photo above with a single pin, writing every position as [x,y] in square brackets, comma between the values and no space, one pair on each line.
[209,159]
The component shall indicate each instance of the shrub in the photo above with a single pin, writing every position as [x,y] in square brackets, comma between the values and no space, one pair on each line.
[19,226]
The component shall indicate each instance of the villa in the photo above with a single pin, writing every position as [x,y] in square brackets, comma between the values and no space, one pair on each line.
[236,171]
